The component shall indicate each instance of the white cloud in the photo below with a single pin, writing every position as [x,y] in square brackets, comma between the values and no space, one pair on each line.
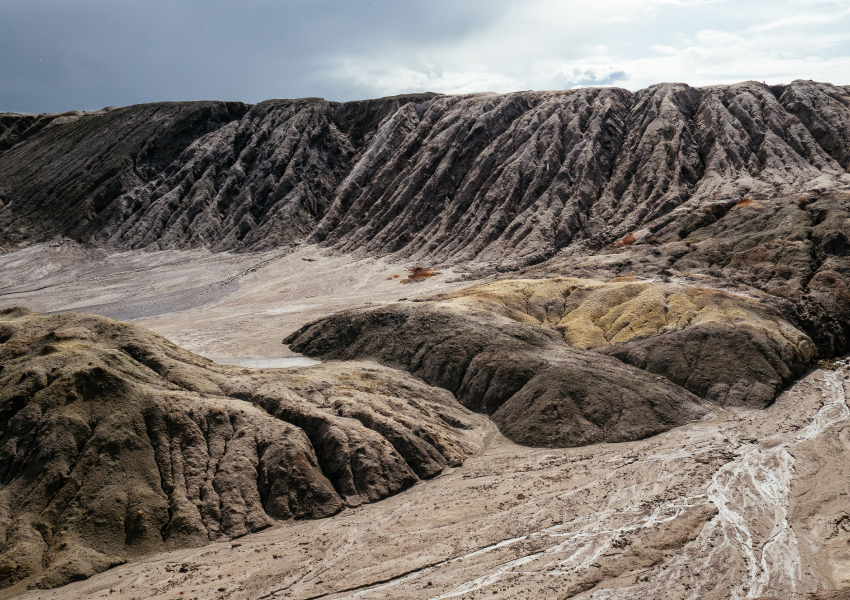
[802,19]
[557,44]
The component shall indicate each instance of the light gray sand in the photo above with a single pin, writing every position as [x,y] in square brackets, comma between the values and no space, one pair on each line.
[219,305]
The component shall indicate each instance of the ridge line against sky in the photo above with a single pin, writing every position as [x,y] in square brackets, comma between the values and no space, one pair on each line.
[86,54]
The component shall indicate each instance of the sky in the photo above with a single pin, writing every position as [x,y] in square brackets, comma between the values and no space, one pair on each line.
[87,54]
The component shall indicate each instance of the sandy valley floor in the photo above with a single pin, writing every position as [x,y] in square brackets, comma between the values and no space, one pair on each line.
[219,305]
[741,505]
[699,512]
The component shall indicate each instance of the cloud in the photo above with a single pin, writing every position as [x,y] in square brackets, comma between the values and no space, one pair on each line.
[583,75]
[99,52]
[801,19]
[557,45]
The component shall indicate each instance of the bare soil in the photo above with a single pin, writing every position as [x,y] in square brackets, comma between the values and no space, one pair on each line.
[744,504]
[217,305]
[697,512]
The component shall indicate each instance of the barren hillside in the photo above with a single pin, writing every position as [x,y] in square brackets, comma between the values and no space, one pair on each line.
[571,344]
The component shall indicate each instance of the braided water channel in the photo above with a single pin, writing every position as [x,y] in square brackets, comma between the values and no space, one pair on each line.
[751,494]
[747,550]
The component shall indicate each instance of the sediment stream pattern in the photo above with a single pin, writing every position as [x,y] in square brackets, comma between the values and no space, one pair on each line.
[751,494]
[705,511]
[747,550]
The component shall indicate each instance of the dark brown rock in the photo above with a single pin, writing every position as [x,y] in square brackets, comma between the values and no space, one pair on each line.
[535,387]
[115,444]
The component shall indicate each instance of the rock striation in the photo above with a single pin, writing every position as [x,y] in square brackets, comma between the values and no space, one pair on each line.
[500,179]
[650,254]
[66,178]
[115,444]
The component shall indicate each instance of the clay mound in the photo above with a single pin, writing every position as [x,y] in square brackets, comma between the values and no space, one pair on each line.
[727,348]
[535,387]
[115,443]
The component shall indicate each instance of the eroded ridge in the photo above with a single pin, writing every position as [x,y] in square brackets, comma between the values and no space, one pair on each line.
[115,444]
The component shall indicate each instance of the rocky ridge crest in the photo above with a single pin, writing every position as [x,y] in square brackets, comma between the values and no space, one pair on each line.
[503,179]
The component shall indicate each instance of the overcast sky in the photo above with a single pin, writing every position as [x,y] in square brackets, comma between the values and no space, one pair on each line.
[87,54]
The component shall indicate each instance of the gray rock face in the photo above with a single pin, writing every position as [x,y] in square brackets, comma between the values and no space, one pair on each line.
[484,177]
[115,443]
[257,183]
[66,178]
[504,179]
[689,148]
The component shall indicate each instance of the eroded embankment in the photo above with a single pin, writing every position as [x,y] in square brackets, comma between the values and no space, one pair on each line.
[702,511]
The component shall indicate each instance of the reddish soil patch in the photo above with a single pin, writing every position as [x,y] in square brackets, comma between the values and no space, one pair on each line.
[712,209]
[419,274]
[627,240]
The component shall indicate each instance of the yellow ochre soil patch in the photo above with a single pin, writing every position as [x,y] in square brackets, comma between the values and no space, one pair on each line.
[593,314]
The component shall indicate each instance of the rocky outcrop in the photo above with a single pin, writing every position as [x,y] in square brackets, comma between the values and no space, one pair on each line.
[115,443]
[503,347]
[689,149]
[788,252]
[535,387]
[484,177]
[726,348]
[501,179]
[15,128]
[67,178]
[259,183]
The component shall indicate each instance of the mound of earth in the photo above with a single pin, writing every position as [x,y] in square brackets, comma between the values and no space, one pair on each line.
[535,387]
[727,348]
[536,355]
[114,444]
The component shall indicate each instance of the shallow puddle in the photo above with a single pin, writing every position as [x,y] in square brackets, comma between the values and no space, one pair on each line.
[258,362]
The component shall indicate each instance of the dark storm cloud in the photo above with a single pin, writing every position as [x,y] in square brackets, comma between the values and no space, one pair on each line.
[57,56]
[90,53]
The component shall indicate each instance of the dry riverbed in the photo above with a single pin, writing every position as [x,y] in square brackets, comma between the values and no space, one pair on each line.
[717,509]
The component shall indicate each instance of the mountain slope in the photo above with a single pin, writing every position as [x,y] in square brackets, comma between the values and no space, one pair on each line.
[503,179]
